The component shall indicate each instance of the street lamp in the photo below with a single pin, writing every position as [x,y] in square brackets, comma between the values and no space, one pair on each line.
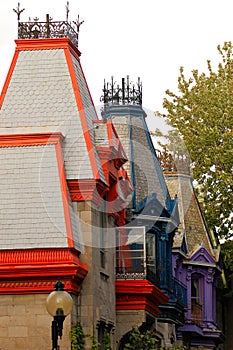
[58,304]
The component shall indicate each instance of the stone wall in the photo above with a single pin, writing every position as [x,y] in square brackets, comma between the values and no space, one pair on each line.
[126,319]
[25,323]
[97,297]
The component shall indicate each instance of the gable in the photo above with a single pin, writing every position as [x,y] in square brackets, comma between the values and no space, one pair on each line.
[202,255]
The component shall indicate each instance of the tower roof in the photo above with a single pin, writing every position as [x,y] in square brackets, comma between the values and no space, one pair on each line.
[123,105]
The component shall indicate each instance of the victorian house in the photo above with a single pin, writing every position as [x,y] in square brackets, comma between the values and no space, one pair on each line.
[197,261]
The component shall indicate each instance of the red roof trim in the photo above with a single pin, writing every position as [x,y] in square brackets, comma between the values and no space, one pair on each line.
[8,77]
[36,44]
[35,271]
[44,44]
[87,190]
[35,139]
[64,192]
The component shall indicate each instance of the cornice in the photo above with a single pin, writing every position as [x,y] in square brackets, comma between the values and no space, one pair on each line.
[46,44]
[139,295]
[36,270]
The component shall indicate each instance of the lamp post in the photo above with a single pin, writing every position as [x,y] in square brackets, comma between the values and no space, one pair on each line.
[59,304]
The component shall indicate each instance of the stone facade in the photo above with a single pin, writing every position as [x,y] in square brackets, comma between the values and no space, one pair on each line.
[97,295]
[25,323]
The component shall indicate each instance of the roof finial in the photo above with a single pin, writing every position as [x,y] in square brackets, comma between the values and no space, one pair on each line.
[67,11]
[78,24]
[18,11]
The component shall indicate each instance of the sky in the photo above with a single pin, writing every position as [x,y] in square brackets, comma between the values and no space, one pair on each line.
[149,39]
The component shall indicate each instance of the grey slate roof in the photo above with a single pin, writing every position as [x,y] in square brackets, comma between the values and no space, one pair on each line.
[40,95]
[40,98]
[143,169]
[192,225]
[29,188]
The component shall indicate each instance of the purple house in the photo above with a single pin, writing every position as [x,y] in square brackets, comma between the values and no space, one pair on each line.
[197,264]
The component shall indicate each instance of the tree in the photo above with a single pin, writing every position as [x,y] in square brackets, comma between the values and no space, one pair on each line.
[202,112]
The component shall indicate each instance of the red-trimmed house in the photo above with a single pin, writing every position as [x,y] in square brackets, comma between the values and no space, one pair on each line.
[63,189]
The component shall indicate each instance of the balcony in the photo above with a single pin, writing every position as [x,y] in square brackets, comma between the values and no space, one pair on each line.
[180,292]
[132,259]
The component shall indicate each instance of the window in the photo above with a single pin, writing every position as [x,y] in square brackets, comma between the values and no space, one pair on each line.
[102,241]
[196,299]
[150,252]
[130,250]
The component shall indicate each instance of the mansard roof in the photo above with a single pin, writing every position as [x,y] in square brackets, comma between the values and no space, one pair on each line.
[45,90]
[45,94]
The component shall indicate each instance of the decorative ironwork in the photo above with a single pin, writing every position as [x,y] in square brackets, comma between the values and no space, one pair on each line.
[127,93]
[129,275]
[67,11]
[18,11]
[145,275]
[49,29]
